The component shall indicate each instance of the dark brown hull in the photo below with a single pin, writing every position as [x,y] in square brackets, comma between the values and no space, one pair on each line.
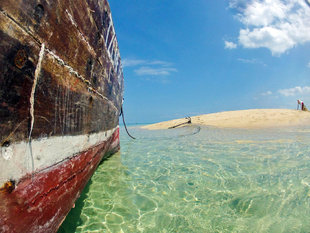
[61,86]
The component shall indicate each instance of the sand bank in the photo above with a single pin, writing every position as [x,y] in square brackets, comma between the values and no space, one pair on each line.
[253,118]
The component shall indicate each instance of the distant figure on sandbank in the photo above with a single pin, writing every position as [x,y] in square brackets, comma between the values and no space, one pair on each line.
[302,105]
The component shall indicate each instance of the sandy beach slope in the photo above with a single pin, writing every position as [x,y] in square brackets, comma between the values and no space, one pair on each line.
[253,118]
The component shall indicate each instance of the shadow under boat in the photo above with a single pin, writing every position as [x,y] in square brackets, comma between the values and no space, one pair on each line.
[73,219]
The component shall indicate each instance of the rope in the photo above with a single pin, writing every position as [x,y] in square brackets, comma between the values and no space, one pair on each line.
[188,122]
[122,113]
[194,129]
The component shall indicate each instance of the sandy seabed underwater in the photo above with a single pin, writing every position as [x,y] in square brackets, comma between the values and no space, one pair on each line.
[200,179]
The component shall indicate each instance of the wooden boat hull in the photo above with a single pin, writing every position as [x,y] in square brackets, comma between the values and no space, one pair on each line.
[41,201]
[61,88]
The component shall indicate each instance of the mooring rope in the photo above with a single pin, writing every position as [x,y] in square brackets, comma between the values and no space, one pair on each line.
[194,129]
[122,113]
[189,121]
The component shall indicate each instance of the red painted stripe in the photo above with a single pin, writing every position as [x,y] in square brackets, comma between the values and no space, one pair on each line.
[40,203]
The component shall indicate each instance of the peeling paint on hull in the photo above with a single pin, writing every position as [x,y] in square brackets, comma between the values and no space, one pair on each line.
[61,91]
[40,202]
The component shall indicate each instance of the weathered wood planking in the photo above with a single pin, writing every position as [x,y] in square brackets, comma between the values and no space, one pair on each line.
[78,82]
[61,88]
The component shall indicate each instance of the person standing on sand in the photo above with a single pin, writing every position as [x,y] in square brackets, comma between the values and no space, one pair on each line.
[302,105]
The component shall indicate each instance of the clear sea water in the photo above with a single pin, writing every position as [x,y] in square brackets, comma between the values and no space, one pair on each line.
[195,179]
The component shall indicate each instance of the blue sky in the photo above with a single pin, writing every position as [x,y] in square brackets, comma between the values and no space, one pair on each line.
[182,58]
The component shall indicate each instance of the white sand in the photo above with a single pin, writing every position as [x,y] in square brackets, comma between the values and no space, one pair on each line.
[253,118]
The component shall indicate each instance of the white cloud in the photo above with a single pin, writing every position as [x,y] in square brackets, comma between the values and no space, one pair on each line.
[132,62]
[295,91]
[146,70]
[263,13]
[266,93]
[278,25]
[150,67]
[230,45]
[308,64]
[251,61]
[268,37]
[136,62]
[157,62]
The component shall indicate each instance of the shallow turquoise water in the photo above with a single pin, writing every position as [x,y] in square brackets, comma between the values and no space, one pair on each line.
[192,180]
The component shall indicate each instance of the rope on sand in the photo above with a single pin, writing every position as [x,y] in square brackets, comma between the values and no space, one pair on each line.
[189,121]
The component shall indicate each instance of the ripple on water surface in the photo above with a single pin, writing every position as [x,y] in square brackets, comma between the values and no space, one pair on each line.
[192,180]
